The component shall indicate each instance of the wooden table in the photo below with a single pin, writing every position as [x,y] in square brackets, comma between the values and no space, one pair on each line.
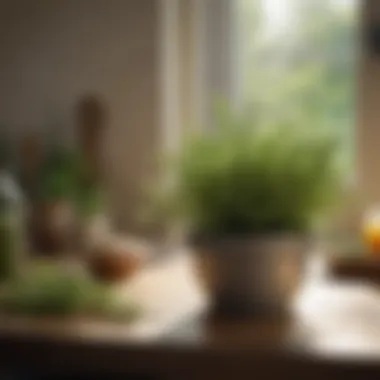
[335,331]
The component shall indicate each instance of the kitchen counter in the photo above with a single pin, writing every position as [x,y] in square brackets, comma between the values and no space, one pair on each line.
[335,331]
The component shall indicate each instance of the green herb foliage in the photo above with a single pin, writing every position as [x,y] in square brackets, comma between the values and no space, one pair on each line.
[65,175]
[242,179]
[50,290]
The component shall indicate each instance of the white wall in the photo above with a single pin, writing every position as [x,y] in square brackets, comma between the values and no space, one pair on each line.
[54,51]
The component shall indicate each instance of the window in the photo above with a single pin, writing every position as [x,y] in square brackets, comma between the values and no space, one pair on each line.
[298,63]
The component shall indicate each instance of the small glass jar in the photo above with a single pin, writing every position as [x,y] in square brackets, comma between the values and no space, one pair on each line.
[12,217]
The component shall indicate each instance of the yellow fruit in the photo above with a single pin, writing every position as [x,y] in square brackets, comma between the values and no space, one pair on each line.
[372,238]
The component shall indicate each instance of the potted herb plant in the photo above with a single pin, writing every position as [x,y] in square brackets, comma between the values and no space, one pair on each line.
[250,198]
[53,211]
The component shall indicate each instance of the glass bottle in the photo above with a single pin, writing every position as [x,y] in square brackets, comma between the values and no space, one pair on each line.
[12,239]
